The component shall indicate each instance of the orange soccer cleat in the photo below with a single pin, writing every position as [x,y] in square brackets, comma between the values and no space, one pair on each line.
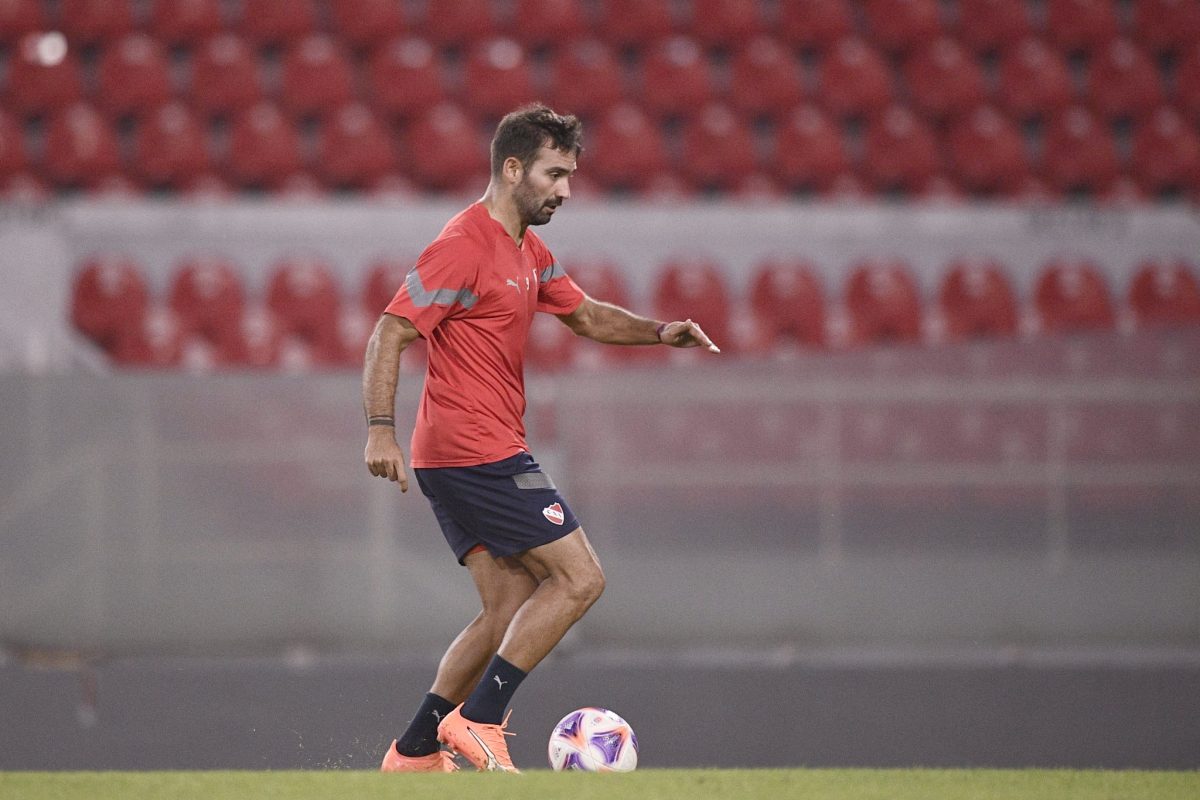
[481,744]
[441,761]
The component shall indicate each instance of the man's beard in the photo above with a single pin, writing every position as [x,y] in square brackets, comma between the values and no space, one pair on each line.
[533,209]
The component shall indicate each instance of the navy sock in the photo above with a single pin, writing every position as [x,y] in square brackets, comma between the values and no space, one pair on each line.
[496,688]
[421,737]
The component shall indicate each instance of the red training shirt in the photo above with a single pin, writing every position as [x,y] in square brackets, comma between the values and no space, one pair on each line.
[472,295]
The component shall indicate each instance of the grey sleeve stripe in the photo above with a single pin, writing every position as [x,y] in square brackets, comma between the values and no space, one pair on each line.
[551,272]
[533,480]
[442,297]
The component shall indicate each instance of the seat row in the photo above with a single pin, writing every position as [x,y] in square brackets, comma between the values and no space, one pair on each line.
[305,317]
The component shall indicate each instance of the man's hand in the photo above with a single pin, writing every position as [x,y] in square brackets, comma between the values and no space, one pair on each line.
[384,457]
[686,334]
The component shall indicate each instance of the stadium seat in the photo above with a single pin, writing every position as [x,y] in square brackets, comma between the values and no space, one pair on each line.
[765,79]
[461,23]
[24,188]
[44,75]
[95,21]
[987,153]
[133,76]
[1187,82]
[384,278]
[304,297]
[687,289]
[814,24]
[208,299]
[1080,25]
[353,148]
[354,332]
[725,24]
[1122,81]
[810,151]
[264,148]
[259,343]
[676,78]
[1166,26]
[585,78]
[1165,154]
[317,77]
[499,78]
[184,22]
[1079,153]
[717,148]
[1033,80]
[277,22]
[882,303]
[156,342]
[898,26]
[634,22]
[225,76]
[854,80]
[405,78]
[944,80]
[170,148]
[1165,293]
[900,151]
[787,304]
[551,345]
[543,23]
[19,17]
[625,150]
[987,26]
[976,300]
[81,148]
[1071,296]
[365,24]
[443,150]
[108,299]
[13,156]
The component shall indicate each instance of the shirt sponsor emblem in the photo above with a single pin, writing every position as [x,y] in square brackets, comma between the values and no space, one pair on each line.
[554,513]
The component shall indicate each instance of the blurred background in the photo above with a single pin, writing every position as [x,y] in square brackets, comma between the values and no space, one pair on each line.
[937,502]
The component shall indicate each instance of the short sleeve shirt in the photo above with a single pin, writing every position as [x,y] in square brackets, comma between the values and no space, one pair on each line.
[472,296]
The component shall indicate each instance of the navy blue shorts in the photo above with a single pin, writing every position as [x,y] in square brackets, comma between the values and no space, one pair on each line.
[508,506]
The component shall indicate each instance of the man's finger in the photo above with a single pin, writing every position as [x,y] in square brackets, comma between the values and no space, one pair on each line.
[702,337]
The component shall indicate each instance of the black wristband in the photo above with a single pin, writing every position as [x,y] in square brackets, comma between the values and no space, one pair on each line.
[658,331]
[389,421]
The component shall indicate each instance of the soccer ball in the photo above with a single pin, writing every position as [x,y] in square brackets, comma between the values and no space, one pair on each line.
[593,740]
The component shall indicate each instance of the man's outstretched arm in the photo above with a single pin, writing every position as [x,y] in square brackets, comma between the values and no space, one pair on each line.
[381,368]
[610,324]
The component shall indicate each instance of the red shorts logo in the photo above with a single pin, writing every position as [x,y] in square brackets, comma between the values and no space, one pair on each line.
[554,513]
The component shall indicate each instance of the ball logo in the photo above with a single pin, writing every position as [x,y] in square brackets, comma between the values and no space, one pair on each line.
[554,513]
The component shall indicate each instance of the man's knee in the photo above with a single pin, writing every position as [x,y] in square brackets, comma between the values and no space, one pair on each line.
[585,584]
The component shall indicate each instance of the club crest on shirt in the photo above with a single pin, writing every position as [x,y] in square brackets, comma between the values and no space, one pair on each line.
[554,513]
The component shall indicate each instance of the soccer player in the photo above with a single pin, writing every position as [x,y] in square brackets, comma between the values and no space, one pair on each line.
[472,296]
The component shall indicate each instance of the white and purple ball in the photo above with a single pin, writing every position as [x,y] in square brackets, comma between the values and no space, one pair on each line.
[593,740]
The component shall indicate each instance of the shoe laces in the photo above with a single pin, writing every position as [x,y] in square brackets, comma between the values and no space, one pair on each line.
[494,735]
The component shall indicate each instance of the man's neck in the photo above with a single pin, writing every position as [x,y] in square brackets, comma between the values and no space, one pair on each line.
[503,210]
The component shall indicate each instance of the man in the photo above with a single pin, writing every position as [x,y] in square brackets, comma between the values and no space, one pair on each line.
[472,296]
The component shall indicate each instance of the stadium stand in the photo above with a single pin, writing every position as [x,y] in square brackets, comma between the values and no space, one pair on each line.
[184,22]
[634,22]
[1072,296]
[13,157]
[458,24]
[353,148]
[1123,81]
[943,79]
[225,76]
[718,147]
[1165,293]
[787,306]
[1079,154]
[585,76]
[95,21]
[1166,26]
[1081,25]
[81,148]
[498,78]
[725,23]
[442,148]
[765,79]
[405,77]
[676,78]
[987,26]
[208,300]
[976,300]
[900,151]
[854,79]
[364,24]
[900,25]
[810,153]
[882,303]
[545,23]
[170,149]
[277,22]
[626,149]
[19,17]
[264,148]
[305,298]
[689,289]
[1165,154]
[109,298]
[317,77]
[1033,80]
[133,76]
[44,75]
[987,154]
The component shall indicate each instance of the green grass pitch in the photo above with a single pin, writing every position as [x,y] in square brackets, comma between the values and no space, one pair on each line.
[647,784]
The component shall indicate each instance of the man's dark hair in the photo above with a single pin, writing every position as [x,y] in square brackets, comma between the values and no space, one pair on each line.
[525,131]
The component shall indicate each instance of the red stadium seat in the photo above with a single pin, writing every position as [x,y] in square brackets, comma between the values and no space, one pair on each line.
[108,299]
[976,300]
[1166,153]
[384,278]
[259,343]
[855,81]
[170,148]
[625,150]
[1033,80]
[585,78]
[900,151]
[810,152]
[540,23]
[354,148]
[901,25]
[460,23]
[81,148]
[788,306]
[13,157]
[1165,293]
[1070,296]
[1187,82]
[1076,25]
[24,188]
[156,342]
[987,153]
[443,149]
[990,25]
[725,23]
[95,21]
[499,78]
[317,77]
[882,303]
[225,76]
[264,148]
[1166,25]
[943,79]
[815,24]
[19,17]
[718,148]
[133,76]
[277,22]
[43,75]
[185,22]
[675,78]
[634,22]
[208,298]
[1123,81]
[765,79]
[304,297]
[363,24]
[405,78]
[1079,153]
[695,290]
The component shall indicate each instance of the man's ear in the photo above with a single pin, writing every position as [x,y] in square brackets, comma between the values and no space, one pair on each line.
[512,170]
